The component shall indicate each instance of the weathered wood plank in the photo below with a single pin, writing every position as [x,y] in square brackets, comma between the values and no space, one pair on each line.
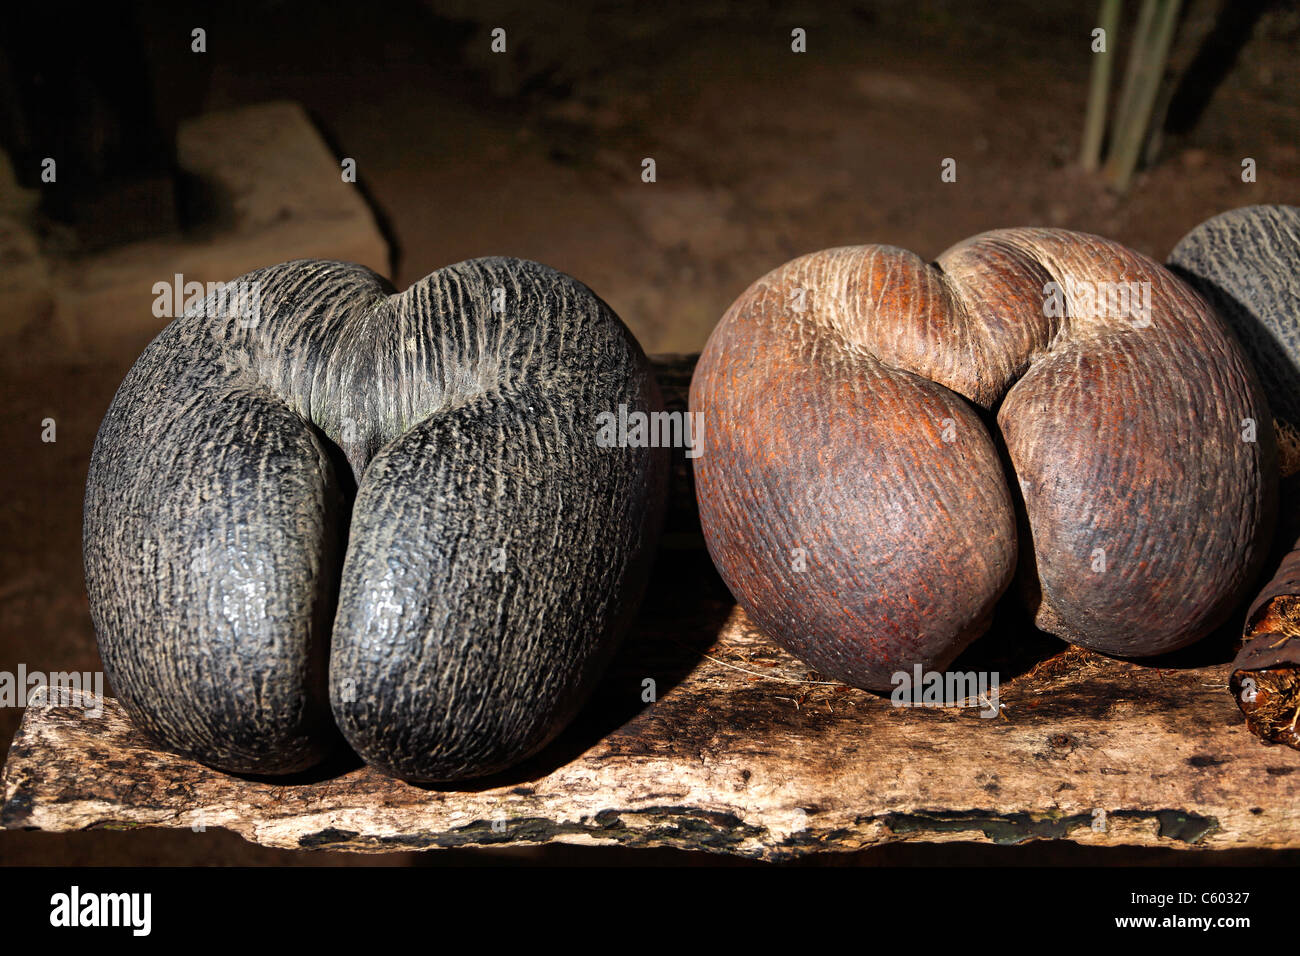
[744,752]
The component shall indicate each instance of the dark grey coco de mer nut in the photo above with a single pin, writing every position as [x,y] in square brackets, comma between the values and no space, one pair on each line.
[1247,262]
[376,513]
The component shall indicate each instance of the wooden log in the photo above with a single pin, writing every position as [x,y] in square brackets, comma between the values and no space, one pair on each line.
[744,752]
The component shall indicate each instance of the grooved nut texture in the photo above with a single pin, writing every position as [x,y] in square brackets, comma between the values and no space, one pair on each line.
[385,514]
[1247,262]
[862,512]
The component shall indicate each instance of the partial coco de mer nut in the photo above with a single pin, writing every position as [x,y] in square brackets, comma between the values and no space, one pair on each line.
[347,509]
[864,515]
[1247,262]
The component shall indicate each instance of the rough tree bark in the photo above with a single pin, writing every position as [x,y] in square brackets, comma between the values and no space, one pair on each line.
[1266,673]
[743,752]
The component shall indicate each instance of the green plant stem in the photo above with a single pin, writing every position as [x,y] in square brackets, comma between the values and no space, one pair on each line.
[1094,124]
